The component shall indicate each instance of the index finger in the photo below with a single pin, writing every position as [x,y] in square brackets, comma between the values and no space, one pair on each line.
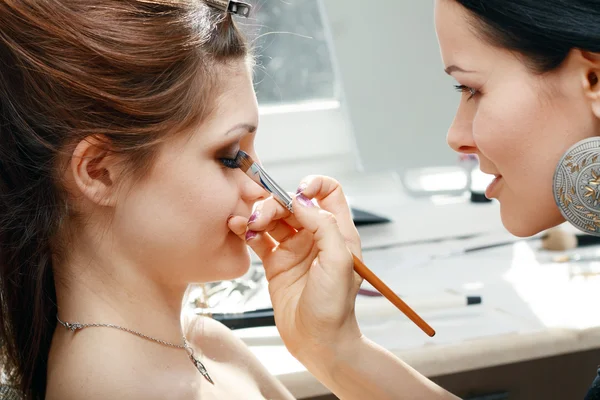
[329,194]
[270,210]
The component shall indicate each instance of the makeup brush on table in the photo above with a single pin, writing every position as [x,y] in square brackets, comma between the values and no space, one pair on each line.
[260,176]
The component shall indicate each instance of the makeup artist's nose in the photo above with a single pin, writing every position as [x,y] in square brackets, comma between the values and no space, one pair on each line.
[460,134]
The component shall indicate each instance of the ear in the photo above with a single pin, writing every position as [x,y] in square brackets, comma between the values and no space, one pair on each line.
[95,169]
[591,80]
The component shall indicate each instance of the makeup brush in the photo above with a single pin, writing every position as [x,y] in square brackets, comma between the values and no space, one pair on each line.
[260,176]
[557,239]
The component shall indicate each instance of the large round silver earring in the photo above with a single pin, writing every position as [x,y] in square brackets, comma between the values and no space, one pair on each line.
[576,185]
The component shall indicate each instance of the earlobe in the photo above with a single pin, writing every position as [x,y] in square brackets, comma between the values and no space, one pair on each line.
[93,170]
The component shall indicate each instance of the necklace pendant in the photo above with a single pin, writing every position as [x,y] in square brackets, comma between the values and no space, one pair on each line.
[201,368]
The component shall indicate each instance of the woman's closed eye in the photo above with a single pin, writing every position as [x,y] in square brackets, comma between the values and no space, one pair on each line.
[228,154]
[229,162]
[466,89]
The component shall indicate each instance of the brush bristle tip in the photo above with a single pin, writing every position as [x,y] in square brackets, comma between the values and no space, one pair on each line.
[244,161]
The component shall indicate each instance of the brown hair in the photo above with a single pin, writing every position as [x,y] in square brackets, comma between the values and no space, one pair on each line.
[129,71]
[544,32]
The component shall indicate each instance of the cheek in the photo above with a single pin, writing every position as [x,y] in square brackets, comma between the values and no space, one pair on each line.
[504,128]
[515,134]
[213,205]
[200,208]
[180,214]
[524,137]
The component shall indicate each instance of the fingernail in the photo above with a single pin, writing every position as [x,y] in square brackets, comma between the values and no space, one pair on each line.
[301,188]
[253,217]
[229,219]
[250,235]
[305,201]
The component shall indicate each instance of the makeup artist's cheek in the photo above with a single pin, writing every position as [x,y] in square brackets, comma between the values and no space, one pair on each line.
[486,127]
[480,132]
[490,124]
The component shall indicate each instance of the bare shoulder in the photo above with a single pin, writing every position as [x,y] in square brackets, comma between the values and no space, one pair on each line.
[219,343]
[206,332]
[108,365]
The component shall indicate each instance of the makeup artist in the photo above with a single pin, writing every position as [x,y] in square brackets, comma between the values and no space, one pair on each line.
[529,74]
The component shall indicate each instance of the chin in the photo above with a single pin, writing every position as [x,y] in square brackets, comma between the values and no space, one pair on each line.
[235,270]
[232,265]
[524,225]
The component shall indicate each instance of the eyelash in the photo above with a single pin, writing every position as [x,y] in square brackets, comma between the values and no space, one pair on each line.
[229,163]
[466,89]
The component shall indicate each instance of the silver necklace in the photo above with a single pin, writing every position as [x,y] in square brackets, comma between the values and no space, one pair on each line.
[197,363]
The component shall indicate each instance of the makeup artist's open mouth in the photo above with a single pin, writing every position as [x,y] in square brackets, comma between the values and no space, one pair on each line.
[492,189]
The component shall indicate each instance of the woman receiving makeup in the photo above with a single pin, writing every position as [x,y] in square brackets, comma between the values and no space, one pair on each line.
[121,121]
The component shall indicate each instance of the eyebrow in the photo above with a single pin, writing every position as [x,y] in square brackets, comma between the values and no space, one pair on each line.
[248,127]
[455,68]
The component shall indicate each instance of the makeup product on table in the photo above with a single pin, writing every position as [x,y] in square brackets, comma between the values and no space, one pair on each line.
[558,239]
[366,218]
[260,176]
[585,240]
[265,317]
[570,258]
[446,302]
[374,307]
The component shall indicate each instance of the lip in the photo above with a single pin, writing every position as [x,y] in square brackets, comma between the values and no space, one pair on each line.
[491,190]
[490,173]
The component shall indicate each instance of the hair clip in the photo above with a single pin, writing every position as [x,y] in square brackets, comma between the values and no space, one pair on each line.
[231,6]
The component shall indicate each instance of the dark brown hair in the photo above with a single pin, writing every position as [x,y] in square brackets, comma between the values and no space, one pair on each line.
[544,32]
[128,71]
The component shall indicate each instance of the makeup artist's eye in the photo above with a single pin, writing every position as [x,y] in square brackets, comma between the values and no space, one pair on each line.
[229,163]
[466,89]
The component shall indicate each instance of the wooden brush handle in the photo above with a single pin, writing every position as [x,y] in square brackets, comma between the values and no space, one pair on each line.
[389,294]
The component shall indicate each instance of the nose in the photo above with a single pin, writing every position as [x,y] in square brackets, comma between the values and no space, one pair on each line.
[460,134]
[250,191]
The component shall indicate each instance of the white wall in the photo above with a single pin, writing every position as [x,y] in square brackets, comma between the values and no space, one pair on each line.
[399,101]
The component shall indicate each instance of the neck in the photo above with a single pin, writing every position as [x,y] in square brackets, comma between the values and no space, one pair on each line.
[99,284]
